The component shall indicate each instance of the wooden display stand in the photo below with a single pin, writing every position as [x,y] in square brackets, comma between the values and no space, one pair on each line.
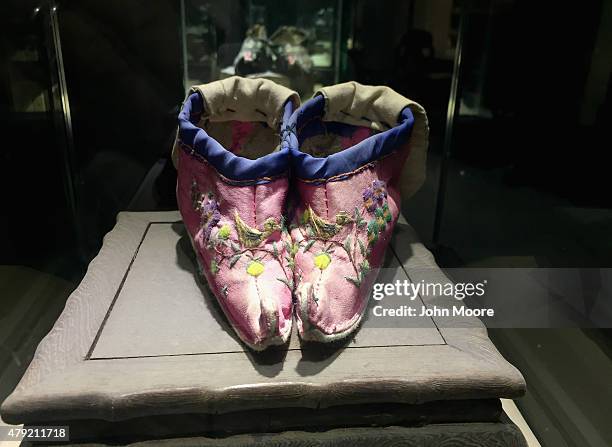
[142,351]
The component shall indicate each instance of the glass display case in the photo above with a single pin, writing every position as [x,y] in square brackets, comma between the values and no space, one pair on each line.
[518,111]
[296,45]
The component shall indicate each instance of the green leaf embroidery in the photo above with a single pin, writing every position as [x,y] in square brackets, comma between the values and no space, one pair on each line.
[359,218]
[355,281]
[387,212]
[290,261]
[294,249]
[274,250]
[373,230]
[347,247]
[362,248]
[309,245]
[365,265]
[214,267]
[364,268]
[373,227]
[233,260]
[288,283]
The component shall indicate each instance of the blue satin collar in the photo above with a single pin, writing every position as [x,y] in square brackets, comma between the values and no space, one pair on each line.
[296,125]
[305,121]
[228,164]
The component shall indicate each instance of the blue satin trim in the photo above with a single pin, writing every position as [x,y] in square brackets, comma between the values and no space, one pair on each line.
[308,121]
[226,163]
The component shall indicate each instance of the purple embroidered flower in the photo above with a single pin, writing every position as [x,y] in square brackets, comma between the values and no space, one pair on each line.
[212,222]
[210,215]
[380,190]
[368,199]
[374,195]
[208,207]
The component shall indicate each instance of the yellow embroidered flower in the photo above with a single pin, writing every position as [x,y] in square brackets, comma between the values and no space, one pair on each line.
[224,232]
[322,260]
[255,268]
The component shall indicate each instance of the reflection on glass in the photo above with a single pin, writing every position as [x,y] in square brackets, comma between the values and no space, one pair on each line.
[293,46]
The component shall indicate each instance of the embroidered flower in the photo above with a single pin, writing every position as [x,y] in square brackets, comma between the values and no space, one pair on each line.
[375,195]
[322,261]
[255,268]
[368,199]
[224,232]
[380,190]
[210,215]
[208,206]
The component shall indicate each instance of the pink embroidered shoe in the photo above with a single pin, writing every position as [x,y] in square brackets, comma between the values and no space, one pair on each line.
[349,148]
[231,190]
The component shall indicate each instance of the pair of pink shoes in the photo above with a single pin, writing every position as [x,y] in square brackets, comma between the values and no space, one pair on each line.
[242,146]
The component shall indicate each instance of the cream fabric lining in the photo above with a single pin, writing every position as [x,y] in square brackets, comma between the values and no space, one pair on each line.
[322,145]
[260,141]
[379,108]
[261,100]
[243,99]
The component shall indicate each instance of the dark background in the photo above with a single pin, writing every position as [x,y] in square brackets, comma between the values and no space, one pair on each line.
[527,181]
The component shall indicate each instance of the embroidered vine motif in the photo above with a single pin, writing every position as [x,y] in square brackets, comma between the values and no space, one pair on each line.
[373,216]
[249,243]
